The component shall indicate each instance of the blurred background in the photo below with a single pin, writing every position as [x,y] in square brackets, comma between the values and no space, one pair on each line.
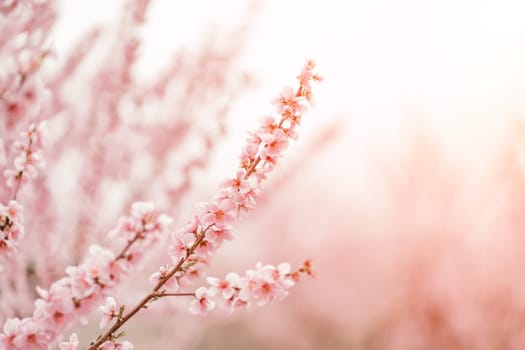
[406,187]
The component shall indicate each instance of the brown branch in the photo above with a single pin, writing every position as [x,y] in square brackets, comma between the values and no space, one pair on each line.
[122,254]
[154,294]
[161,295]
[21,172]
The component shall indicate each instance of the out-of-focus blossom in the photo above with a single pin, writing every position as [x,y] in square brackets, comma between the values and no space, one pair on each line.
[74,296]
[71,344]
[117,345]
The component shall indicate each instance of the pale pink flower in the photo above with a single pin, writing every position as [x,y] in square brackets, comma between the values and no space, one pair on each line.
[145,223]
[14,210]
[29,157]
[142,209]
[10,332]
[269,162]
[72,344]
[219,213]
[282,270]
[239,183]
[307,75]
[292,132]
[274,144]
[269,125]
[263,285]
[30,336]
[217,235]
[250,150]
[252,144]
[102,267]
[11,176]
[11,227]
[181,242]
[288,100]
[203,303]
[225,287]
[82,285]
[109,312]
[125,228]
[54,308]
[116,345]
[283,275]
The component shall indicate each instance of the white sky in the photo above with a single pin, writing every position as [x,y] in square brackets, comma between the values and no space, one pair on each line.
[458,63]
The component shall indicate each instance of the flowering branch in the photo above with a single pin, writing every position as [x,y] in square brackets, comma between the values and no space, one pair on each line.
[25,165]
[29,158]
[206,232]
[153,295]
[74,296]
[264,284]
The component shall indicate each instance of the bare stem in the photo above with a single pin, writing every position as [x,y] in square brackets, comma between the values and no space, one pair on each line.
[161,295]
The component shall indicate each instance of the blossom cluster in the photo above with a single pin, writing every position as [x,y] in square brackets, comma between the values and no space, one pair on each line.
[72,297]
[21,89]
[11,227]
[262,285]
[117,107]
[204,234]
[28,158]
[26,163]
[192,245]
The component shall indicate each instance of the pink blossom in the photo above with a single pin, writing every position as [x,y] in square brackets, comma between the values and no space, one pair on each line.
[80,281]
[274,144]
[181,242]
[29,157]
[10,332]
[219,213]
[145,223]
[225,286]
[102,267]
[109,312]
[30,336]
[262,285]
[288,100]
[54,308]
[203,303]
[239,183]
[72,344]
[217,235]
[11,227]
[116,345]
[73,296]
